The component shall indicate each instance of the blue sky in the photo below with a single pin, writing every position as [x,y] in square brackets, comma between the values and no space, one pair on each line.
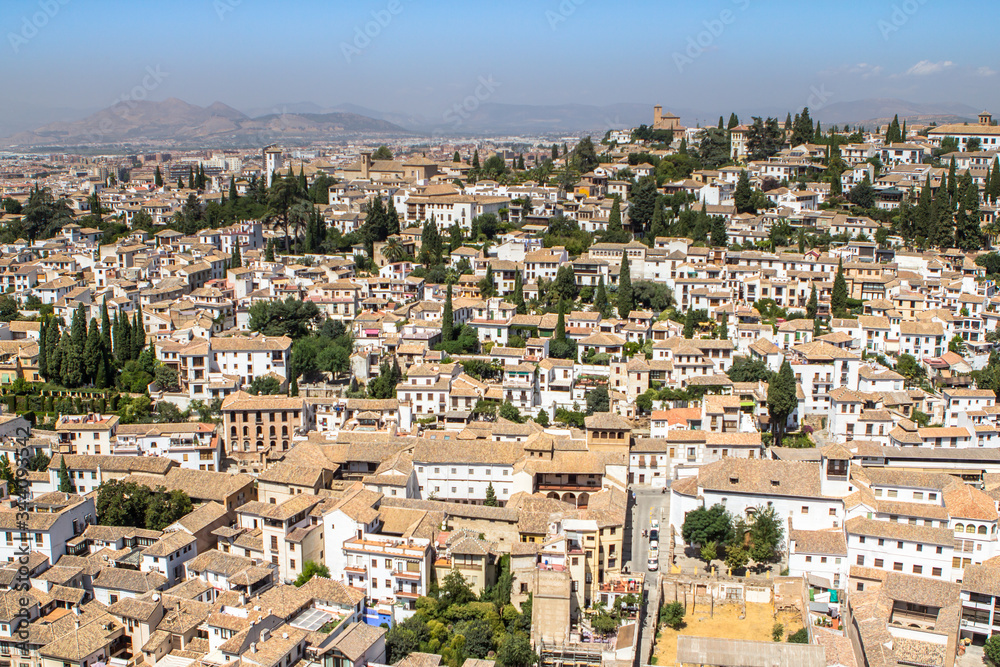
[753,54]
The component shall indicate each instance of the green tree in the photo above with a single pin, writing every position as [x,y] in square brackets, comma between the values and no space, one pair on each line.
[766,535]
[542,418]
[724,329]
[672,615]
[487,286]
[598,400]
[509,412]
[564,285]
[625,300]
[455,590]
[991,649]
[812,307]
[781,400]
[737,556]
[838,299]
[382,153]
[491,496]
[515,650]
[703,525]
[447,318]
[601,299]
[165,507]
[743,195]
[265,385]
[311,569]
[292,317]
[800,636]
[518,296]
[862,195]
[158,177]
[614,232]
[709,551]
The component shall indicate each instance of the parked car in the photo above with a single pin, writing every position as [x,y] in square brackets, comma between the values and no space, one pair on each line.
[654,544]
[653,563]
[654,535]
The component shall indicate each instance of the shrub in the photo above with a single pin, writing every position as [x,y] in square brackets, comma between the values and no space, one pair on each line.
[672,615]
[778,632]
[800,636]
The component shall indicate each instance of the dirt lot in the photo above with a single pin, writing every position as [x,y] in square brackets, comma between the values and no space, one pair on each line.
[725,623]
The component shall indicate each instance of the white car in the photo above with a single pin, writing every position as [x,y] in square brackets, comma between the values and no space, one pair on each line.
[654,524]
[653,545]
[653,564]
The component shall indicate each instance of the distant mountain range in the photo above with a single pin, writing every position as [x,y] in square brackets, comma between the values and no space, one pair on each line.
[178,124]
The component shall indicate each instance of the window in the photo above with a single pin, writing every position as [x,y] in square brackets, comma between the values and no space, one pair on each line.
[936,572]
[291,563]
[833,511]
[861,559]
[918,569]
[805,509]
[939,550]
[893,493]
[879,562]
[898,567]
[809,559]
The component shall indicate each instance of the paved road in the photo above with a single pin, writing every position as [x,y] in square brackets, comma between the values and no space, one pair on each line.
[649,503]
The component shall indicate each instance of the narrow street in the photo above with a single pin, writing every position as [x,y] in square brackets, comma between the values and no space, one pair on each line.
[648,504]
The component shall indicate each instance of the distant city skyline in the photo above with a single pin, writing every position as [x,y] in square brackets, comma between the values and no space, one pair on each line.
[66,58]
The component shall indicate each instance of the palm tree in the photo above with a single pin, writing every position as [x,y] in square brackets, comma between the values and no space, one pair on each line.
[393,250]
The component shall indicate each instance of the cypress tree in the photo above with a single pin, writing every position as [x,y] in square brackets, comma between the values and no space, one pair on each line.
[269,253]
[294,389]
[447,318]
[236,261]
[952,182]
[560,332]
[78,329]
[521,307]
[626,301]
[53,363]
[995,182]
[303,183]
[92,354]
[781,400]
[138,336]
[601,298]
[475,159]
[689,324]
[105,324]
[65,481]
[158,177]
[42,356]
[190,178]
[456,157]
[392,219]
[233,194]
[724,329]
[813,306]
[838,299]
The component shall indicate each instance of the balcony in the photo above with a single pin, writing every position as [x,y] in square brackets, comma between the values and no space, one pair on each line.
[409,576]
[362,571]
[406,594]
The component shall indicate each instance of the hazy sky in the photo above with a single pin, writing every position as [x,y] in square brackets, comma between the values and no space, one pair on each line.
[714,55]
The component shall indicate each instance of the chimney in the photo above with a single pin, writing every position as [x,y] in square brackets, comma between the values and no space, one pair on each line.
[76,609]
[265,634]
[253,647]
[77,623]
